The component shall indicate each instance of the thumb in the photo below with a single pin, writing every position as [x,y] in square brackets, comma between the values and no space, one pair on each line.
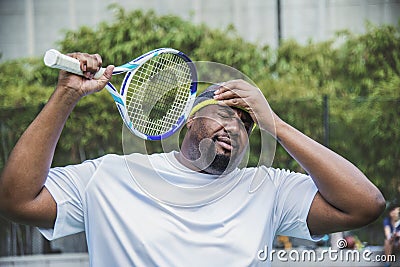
[108,72]
[106,77]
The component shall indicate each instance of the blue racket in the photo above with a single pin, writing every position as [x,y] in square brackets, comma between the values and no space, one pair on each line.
[157,92]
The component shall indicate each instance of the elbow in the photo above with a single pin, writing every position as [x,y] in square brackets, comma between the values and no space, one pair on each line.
[375,209]
[380,206]
[368,211]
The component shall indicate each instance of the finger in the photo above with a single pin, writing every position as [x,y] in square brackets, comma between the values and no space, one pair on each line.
[109,71]
[83,60]
[237,86]
[93,65]
[83,63]
[96,62]
[101,83]
[92,62]
[232,84]
[99,61]
[227,94]
[239,103]
[235,102]
[224,87]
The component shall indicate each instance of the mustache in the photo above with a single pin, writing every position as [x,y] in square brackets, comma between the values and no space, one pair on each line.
[227,138]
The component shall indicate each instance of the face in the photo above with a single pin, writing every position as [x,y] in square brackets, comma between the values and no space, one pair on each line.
[394,214]
[217,138]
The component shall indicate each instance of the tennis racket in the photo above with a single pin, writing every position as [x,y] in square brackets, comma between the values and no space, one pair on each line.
[156,94]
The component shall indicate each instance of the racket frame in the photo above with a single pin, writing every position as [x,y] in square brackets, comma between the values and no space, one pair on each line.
[130,69]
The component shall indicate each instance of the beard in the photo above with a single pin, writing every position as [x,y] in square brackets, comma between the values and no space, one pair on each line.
[205,157]
[204,153]
[219,165]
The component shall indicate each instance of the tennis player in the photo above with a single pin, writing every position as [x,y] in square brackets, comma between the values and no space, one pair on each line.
[125,226]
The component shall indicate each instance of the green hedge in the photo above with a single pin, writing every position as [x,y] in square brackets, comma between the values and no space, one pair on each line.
[360,75]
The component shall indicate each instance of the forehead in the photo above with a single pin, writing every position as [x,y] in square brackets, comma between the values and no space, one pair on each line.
[211,110]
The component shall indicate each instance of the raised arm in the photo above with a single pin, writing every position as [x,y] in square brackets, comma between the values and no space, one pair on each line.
[346,199]
[23,198]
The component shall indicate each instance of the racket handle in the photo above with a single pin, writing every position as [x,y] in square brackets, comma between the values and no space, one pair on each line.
[54,59]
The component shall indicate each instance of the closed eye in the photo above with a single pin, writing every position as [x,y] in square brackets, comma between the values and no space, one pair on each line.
[224,115]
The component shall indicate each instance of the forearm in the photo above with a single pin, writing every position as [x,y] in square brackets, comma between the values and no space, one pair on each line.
[388,233]
[339,182]
[28,164]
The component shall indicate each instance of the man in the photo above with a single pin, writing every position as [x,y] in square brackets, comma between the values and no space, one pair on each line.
[391,228]
[127,226]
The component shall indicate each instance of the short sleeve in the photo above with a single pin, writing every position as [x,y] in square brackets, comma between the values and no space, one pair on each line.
[295,194]
[67,185]
[386,221]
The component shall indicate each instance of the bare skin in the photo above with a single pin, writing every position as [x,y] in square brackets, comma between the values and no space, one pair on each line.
[225,133]
[346,198]
[390,244]
[22,196]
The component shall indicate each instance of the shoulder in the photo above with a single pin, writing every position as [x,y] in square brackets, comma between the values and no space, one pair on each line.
[282,176]
[115,160]
[279,179]
[386,221]
[87,168]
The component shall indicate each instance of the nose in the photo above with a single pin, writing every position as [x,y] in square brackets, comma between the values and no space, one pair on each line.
[233,126]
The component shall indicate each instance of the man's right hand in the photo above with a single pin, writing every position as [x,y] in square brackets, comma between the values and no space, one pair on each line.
[80,86]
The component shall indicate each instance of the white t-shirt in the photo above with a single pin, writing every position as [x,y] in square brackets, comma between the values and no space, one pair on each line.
[129,223]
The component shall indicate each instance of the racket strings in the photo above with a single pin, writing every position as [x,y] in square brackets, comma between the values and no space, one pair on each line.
[158,93]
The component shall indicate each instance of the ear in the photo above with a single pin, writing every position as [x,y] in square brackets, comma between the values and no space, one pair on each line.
[189,122]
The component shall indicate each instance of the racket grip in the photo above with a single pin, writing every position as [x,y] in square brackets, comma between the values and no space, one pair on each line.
[54,59]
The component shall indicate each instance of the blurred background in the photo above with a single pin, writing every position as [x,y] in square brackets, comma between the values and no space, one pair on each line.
[30,27]
[331,68]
